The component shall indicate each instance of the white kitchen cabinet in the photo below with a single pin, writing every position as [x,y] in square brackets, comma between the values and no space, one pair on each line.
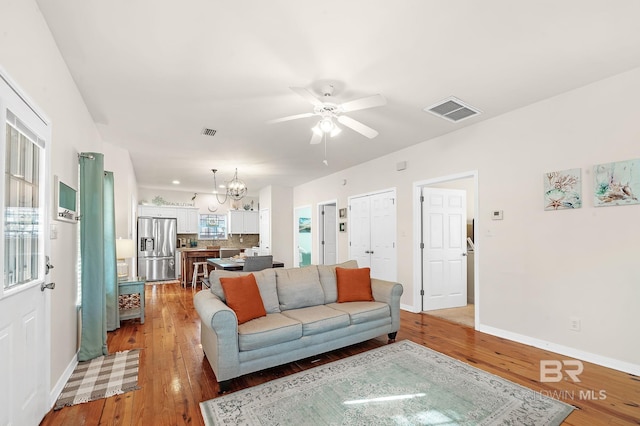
[243,222]
[187,220]
[156,211]
[187,217]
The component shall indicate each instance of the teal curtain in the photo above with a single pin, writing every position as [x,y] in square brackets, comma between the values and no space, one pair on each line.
[110,263]
[97,244]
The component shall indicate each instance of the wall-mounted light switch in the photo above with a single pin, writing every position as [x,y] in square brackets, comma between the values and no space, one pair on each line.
[496,215]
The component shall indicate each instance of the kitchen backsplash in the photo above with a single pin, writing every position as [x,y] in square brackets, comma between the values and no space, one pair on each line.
[250,240]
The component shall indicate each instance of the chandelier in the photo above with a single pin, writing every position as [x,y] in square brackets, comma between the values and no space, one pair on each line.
[235,188]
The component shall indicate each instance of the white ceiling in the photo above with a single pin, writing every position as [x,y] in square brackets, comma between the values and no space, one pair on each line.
[154,73]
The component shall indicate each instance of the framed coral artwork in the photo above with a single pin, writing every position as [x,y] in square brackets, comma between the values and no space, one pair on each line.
[563,190]
[616,184]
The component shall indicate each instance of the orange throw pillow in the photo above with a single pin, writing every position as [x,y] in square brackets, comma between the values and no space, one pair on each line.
[354,285]
[243,296]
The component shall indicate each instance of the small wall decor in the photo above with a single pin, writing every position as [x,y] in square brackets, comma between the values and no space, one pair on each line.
[563,190]
[616,184]
[304,225]
[342,213]
[343,227]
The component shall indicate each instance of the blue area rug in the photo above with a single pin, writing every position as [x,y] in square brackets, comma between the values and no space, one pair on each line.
[398,384]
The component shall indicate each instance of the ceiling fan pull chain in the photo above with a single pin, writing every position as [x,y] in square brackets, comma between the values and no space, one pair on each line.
[326,163]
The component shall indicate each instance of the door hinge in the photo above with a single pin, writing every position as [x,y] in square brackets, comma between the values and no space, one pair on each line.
[422,198]
[421,292]
[422,246]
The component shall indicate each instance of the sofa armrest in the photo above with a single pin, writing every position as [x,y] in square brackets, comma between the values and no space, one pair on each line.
[218,334]
[388,292]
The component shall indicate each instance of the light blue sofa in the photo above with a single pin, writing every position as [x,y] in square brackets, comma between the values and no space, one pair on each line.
[303,319]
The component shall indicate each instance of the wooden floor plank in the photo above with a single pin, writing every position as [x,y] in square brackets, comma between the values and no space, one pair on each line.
[175,376]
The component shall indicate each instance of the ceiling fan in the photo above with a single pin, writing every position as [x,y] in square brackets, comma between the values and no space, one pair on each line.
[328,111]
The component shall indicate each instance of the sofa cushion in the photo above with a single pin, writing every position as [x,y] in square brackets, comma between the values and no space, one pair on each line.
[299,287]
[328,279]
[267,331]
[243,297]
[361,312]
[318,319]
[354,285]
[266,280]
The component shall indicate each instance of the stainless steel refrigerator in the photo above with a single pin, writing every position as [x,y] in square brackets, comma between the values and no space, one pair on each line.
[157,248]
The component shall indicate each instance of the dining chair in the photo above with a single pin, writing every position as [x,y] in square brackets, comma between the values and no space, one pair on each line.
[257,263]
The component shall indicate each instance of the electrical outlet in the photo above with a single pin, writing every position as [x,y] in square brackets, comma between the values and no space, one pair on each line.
[574,323]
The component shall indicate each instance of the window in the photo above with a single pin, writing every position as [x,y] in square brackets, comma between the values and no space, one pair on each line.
[212,227]
[23,241]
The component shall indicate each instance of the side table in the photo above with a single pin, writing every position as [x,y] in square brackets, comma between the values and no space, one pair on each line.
[133,285]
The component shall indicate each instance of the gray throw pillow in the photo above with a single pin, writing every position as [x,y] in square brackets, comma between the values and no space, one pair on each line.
[266,280]
[299,287]
[328,279]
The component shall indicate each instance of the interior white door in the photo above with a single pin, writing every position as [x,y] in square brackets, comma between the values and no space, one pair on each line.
[328,237]
[24,315]
[444,235]
[383,236]
[265,232]
[359,228]
[372,233]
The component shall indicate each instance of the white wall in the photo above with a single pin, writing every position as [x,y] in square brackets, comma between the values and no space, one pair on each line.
[279,201]
[537,268]
[31,58]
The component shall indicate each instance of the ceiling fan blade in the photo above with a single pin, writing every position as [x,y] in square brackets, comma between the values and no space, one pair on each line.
[362,103]
[307,95]
[357,126]
[291,117]
[315,138]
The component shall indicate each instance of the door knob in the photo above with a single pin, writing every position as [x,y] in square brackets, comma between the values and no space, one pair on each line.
[464,254]
[49,286]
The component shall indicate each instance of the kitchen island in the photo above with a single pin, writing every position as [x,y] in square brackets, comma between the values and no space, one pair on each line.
[189,256]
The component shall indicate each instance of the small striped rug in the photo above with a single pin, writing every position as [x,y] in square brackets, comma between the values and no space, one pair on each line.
[101,377]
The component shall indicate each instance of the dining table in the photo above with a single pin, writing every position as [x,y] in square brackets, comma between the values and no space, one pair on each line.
[231,264]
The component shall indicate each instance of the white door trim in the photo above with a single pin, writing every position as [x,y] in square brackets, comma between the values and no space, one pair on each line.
[417,229]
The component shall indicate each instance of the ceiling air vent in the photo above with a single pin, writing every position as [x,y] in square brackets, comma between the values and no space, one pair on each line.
[208,132]
[452,109]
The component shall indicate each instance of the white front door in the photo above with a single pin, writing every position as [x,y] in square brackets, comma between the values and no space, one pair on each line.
[328,225]
[24,314]
[444,234]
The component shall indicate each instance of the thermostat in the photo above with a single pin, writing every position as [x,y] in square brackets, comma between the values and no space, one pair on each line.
[496,215]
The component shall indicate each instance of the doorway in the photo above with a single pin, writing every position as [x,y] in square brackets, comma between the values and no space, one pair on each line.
[302,236]
[327,233]
[467,251]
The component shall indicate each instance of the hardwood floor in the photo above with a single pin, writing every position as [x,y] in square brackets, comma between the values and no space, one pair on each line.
[174,375]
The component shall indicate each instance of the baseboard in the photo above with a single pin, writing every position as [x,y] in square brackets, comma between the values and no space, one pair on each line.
[64,378]
[603,361]
[409,308]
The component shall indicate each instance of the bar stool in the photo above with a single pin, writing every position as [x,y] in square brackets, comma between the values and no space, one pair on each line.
[197,273]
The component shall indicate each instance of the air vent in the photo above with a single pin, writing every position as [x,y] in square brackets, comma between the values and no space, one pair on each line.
[208,132]
[452,109]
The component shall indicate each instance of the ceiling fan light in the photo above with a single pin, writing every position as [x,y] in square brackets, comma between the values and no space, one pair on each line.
[316,129]
[336,131]
[326,125]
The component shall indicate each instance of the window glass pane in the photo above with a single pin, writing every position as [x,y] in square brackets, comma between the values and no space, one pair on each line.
[22,215]
[212,227]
